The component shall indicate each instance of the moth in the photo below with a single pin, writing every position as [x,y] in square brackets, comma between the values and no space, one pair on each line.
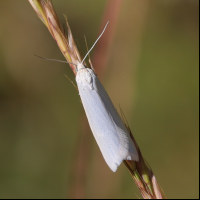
[109,131]
[107,126]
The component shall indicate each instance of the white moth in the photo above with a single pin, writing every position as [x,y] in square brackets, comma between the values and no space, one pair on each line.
[107,126]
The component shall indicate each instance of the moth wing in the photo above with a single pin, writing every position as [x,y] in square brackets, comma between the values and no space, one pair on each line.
[108,129]
[132,151]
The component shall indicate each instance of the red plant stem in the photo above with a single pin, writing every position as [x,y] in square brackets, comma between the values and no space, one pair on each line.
[100,58]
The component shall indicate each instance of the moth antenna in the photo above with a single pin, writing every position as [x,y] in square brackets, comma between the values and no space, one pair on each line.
[89,54]
[95,43]
[56,60]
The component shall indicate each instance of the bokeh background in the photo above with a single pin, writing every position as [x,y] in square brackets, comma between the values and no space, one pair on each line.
[152,71]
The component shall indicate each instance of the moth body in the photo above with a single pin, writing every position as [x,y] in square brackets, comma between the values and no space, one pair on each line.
[107,127]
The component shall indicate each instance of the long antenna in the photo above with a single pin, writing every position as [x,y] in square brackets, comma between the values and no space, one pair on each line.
[95,43]
[55,60]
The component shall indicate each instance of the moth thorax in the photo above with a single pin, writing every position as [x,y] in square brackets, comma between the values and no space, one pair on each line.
[80,66]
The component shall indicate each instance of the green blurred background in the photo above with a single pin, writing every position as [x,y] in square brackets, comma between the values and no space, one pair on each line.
[152,72]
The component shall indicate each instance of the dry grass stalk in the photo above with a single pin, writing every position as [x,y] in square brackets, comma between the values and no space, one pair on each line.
[140,171]
[47,14]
